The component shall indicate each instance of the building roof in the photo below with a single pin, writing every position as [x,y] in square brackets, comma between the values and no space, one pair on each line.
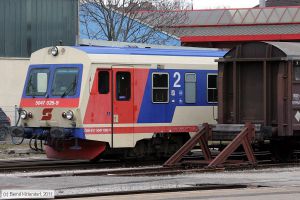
[241,16]
[245,24]
[241,33]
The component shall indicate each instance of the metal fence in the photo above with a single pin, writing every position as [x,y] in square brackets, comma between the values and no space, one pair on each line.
[11,112]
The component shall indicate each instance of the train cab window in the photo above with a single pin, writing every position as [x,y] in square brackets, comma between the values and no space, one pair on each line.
[38,82]
[297,72]
[123,86]
[65,82]
[103,82]
[190,87]
[160,87]
[212,91]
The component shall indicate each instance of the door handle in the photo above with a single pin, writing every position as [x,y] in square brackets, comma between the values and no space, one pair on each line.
[116,118]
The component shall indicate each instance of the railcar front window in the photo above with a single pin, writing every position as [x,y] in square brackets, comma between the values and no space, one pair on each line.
[38,82]
[65,82]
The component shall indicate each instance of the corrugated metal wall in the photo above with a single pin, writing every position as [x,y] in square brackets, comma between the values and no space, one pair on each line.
[28,25]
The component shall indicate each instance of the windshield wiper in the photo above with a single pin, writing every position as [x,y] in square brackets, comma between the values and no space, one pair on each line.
[69,88]
[30,85]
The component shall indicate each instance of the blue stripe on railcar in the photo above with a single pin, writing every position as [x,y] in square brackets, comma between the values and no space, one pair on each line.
[152,51]
[163,112]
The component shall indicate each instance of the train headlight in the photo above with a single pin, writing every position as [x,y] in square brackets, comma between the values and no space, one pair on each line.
[54,51]
[30,115]
[69,115]
[23,114]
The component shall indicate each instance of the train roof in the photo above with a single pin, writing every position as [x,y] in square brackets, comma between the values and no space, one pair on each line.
[290,49]
[264,51]
[152,51]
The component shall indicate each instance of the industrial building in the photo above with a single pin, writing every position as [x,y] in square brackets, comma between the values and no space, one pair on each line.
[25,26]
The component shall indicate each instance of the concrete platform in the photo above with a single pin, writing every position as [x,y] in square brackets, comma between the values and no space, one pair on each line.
[273,179]
[286,193]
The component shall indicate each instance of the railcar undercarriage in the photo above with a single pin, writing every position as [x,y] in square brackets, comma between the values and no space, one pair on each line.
[59,143]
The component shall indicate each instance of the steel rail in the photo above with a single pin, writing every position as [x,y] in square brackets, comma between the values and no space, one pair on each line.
[161,190]
[52,165]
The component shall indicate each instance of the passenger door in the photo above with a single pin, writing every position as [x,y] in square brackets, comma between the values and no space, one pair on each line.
[98,117]
[122,107]
[105,96]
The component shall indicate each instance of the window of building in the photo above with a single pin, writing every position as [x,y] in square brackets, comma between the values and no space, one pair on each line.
[160,87]
[190,87]
[103,82]
[212,91]
[123,86]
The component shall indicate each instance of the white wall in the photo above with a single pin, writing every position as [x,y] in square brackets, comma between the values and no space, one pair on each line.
[12,77]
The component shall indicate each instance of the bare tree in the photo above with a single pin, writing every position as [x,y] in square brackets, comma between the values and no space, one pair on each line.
[130,20]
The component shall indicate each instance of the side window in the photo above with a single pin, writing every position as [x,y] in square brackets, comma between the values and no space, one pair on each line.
[123,86]
[103,82]
[190,88]
[296,72]
[212,91]
[160,87]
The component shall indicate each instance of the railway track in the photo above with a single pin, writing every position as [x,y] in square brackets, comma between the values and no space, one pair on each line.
[177,189]
[134,171]
[191,164]
[107,167]
[160,171]
[52,165]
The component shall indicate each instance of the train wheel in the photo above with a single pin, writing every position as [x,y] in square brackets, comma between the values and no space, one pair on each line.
[162,146]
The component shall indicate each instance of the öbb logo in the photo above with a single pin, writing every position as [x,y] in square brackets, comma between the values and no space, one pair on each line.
[47,114]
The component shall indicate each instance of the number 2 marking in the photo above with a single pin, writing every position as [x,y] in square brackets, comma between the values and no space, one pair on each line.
[177,77]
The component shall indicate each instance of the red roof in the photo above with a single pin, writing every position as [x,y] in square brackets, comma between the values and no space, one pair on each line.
[246,24]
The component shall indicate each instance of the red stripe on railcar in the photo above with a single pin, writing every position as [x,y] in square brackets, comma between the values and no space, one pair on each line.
[141,76]
[50,102]
[146,129]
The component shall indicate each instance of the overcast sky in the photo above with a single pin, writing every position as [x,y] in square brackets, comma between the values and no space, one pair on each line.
[203,4]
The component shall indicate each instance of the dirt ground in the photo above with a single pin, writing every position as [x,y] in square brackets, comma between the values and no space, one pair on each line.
[8,150]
